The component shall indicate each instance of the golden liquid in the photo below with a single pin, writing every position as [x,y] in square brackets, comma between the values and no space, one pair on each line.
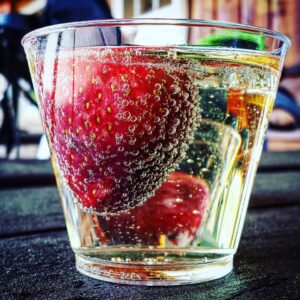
[246,83]
[236,89]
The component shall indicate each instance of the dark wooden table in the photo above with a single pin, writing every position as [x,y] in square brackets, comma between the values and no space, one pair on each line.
[36,261]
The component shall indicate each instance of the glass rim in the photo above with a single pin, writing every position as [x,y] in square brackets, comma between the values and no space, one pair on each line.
[155,21]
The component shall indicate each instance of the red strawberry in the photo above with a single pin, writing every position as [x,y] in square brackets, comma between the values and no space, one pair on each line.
[173,215]
[119,121]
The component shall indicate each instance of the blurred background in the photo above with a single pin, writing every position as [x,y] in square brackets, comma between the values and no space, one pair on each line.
[20,126]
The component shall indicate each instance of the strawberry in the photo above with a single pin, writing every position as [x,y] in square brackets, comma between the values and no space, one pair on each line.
[173,215]
[119,121]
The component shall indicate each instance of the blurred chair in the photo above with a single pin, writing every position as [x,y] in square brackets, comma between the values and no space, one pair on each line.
[62,11]
[13,67]
[13,63]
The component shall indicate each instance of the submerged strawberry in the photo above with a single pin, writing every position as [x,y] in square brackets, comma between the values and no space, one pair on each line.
[119,121]
[173,215]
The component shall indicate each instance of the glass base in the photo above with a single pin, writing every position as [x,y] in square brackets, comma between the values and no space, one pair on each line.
[154,275]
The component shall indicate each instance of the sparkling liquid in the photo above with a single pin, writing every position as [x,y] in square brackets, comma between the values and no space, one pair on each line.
[156,157]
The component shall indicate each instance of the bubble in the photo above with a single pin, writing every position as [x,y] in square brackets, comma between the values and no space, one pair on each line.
[133,119]
[126,115]
[172,102]
[125,85]
[168,147]
[132,128]
[172,130]
[178,200]
[135,152]
[156,119]
[117,259]
[147,127]
[157,86]
[176,122]
[172,53]
[175,89]
[132,141]
[165,112]
[186,96]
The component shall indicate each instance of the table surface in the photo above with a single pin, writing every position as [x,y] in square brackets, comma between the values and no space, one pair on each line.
[36,261]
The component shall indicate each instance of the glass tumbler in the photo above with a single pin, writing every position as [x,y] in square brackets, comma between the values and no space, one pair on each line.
[155,128]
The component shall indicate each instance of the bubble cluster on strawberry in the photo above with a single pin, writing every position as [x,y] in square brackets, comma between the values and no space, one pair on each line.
[119,121]
[171,217]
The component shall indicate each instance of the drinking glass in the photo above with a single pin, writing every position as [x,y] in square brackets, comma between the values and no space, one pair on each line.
[155,128]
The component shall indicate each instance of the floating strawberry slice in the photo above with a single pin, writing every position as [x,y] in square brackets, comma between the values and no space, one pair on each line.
[119,121]
[173,215]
